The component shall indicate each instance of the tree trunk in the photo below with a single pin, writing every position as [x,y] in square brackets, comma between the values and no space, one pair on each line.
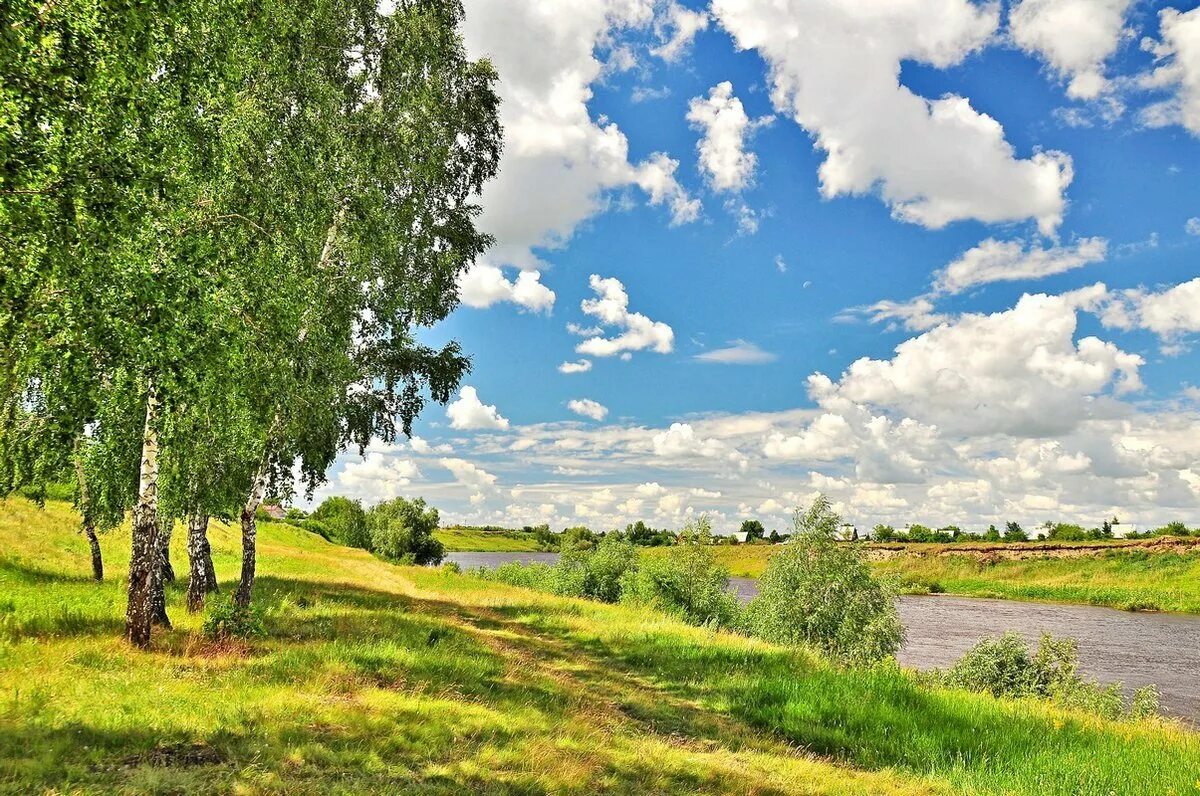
[162,565]
[89,528]
[249,535]
[142,558]
[199,563]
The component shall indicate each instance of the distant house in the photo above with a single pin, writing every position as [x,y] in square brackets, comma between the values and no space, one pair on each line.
[739,536]
[1121,530]
[847,532]
[275,512]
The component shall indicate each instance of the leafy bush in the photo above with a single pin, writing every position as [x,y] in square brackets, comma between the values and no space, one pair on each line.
[451,568]
[596,573]
[688,582]
[319,528]
[818,592]
[345,520]
[224,620]
[1005,667]
[402,531]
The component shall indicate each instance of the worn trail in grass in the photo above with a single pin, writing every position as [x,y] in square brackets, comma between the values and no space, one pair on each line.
[388,678]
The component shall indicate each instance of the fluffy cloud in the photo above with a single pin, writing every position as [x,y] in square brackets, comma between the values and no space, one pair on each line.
[676,28]
[738,352]
[468,473]
[586,407]
[1075,37]
[1178,55]
[559,163]
[834,67]
[1017,372]
[916,315]
[377,475]
[611,309]
[724,124]
[1192,226]
[1170,313]
[484,284]
[1010,261]
[468,412]
[579,366]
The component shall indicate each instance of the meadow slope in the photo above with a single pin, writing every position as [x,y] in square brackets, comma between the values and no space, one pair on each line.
[399,679]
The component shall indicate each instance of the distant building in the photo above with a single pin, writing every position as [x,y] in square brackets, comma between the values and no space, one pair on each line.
[1121,530]
[739,536]
[275,512]
[847,532]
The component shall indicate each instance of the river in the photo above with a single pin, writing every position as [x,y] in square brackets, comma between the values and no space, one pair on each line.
[1136,649]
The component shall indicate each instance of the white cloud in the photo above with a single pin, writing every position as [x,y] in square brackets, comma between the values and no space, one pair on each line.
[484,284]
[1017,372]
[377,475]
[468,412]
[1170,313]
[780,264]
[611,309]
[560,165]
[1075,37]
[586,407]
[1192,226]
[468,473]
[1178,56]
[1010,261]
[723,121]
[738,352]
[916,315]
[676,28]
[579,366]
[834,67]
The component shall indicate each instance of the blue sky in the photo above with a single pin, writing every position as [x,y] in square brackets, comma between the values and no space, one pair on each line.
[761,201]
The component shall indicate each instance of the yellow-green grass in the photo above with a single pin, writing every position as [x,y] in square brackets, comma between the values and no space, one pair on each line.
[462,540]
[377,678]
[1125,577]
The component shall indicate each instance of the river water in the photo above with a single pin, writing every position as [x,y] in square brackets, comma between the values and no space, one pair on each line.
[1133,648]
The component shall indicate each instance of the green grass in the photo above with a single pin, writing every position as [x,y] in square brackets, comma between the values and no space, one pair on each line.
[464,540]
[377,678]
[1124,577]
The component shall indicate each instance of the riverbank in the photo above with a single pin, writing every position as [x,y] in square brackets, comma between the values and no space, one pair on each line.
[477,540]
[375,677]
[1145,575]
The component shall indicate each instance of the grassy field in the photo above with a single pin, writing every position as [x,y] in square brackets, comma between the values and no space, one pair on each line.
[1117,576]
[458,540]
[377,678]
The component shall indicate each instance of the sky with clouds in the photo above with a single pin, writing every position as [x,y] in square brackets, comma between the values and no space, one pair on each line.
[937,259]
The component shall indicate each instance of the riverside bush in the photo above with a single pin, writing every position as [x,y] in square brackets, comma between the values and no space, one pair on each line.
[815,591]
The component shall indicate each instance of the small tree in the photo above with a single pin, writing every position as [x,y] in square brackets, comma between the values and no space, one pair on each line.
[1013,532]
[883,533]
[346,521]
[818,592]
[687,581]
[402,530]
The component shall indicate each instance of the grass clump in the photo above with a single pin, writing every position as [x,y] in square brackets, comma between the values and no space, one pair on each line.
[1006,667]
[225,620]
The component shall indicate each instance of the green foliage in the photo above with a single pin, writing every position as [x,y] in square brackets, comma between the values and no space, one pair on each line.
[815,591]
[688,582]
[753,530]
[596,573]
[1005,667]
[643,535]
[402,530]
[578,537]
[883,533]
[1013,532]
[346,521]
[1066,532]
[225,620]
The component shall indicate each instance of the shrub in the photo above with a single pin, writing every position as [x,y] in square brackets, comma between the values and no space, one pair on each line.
[224,620]
[818,592]
[688,582]
[402,531]
[319,528]
[451,568]
[345,521]
[597,573]
[1004,667]
[530,576]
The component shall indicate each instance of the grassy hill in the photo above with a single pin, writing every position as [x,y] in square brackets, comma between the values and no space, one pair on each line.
[1142,575]
[377,678]
[457,540]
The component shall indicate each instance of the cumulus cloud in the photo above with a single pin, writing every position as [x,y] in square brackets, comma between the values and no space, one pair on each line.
[377,475]
[1018,372]
[560,164]
[579,366]
[676,28]
[1015,260]
[611,309]
[834,68]
[484,284]
[468,473]
[1074,37]
[738,352]
[1171,313]
[916,315]
[586,407]
[468,413]
[1178,56]
[724,124]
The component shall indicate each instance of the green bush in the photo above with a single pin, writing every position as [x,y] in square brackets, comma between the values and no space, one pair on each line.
[818,592]
[402,531]
[597,573]
[225,620]
[319,528]
[688,582]
[1005,667]
[345,520]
